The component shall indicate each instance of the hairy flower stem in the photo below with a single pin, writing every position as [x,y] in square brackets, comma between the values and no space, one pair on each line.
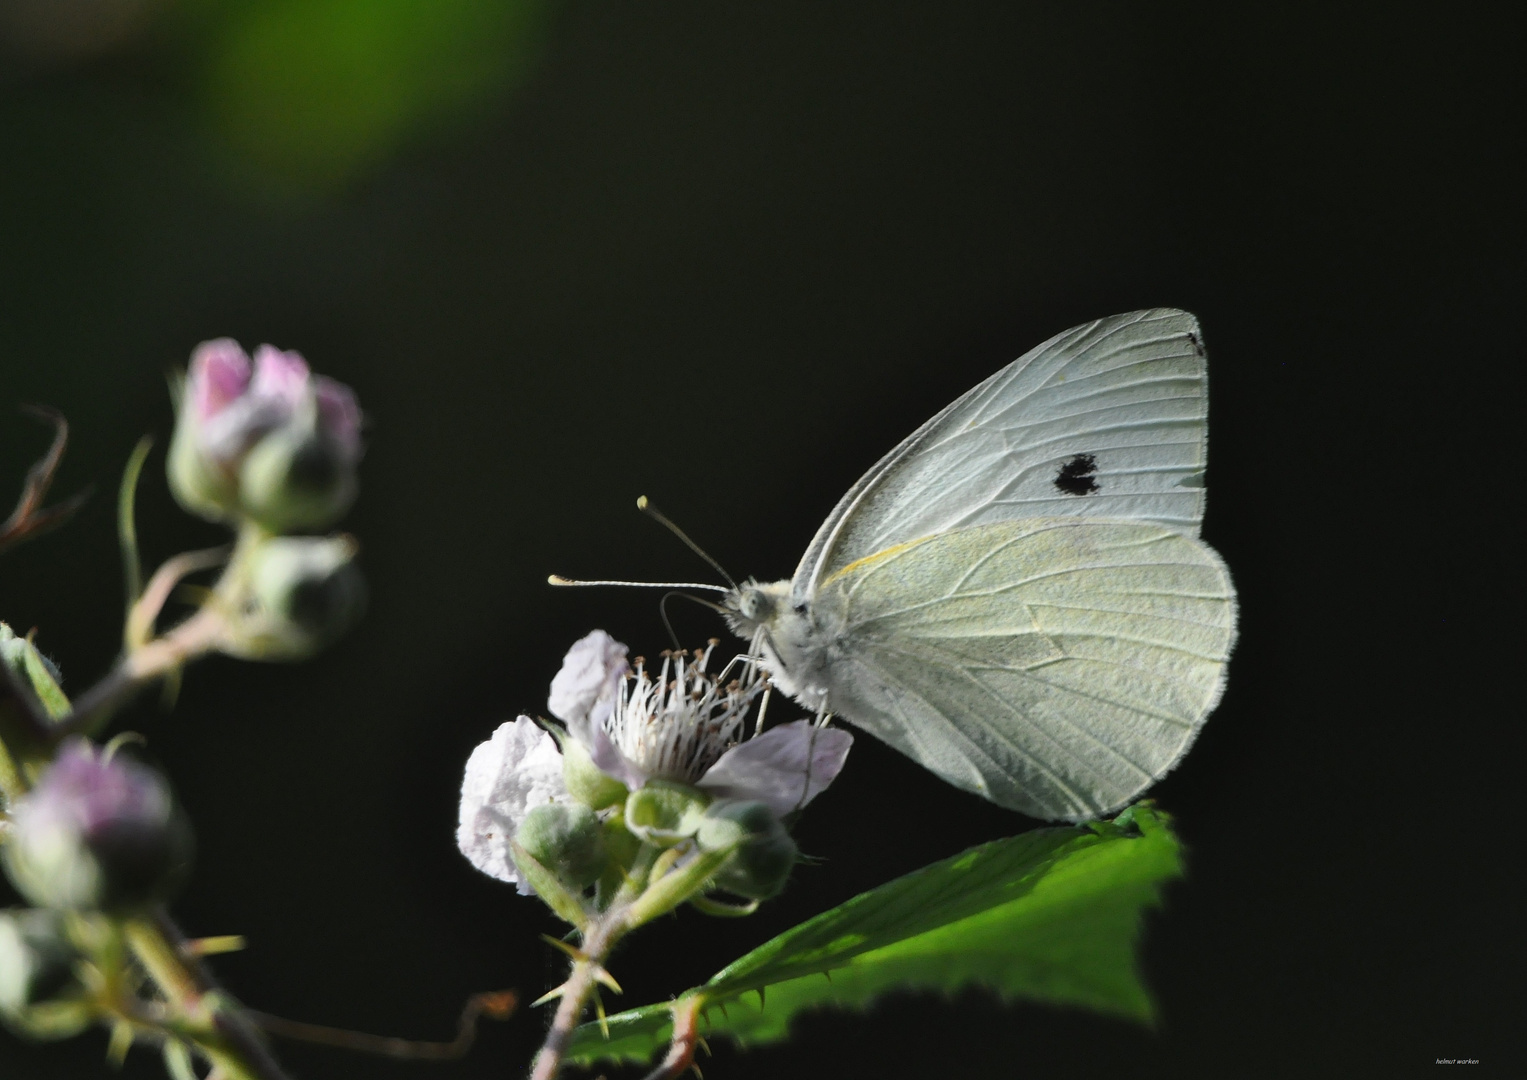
[93,709]
[598,938]
[226,1035]
[597,942]
[151,658]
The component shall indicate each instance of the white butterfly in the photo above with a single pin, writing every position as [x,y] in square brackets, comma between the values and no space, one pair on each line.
[1016,596]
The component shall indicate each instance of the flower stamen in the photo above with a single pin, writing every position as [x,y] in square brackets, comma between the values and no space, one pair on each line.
[677,725]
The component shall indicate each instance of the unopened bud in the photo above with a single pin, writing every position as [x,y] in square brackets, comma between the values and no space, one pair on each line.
[765,853]
[297,477]
[36,959]
[265,440]
[216,420]
[97,833]
[567,839]
[308,592]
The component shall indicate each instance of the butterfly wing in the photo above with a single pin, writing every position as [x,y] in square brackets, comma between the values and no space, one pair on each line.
[1105,420]
[1056,666]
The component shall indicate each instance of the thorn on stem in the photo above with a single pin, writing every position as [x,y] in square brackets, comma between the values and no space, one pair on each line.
[214,946]
[572,951]
[121,1042]
[551,995]
[604,1020]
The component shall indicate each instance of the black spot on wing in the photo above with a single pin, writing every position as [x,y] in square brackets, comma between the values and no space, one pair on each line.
[1075,476]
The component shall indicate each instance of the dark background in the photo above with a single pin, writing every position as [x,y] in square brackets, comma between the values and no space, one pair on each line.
[727,255]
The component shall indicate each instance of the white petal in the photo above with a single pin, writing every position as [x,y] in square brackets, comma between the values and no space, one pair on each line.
[517,769]
[587,685]
[785,767]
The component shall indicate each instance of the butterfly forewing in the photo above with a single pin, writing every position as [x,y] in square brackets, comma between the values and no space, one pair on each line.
[1057,666]
[1106,420]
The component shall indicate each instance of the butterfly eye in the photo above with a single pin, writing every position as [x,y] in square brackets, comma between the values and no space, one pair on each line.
[756,604]
[800,609]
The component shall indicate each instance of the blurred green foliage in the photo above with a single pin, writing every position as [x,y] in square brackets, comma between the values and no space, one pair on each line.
[308,94]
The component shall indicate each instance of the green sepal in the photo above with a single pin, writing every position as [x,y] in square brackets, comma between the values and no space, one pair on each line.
[23,747]
[199,486]
[295,478]
[585,781]
[765,852]
[22,657]
[677,886]
[705,905]
[568,906]
[665,813]
[622,848]
[307,592]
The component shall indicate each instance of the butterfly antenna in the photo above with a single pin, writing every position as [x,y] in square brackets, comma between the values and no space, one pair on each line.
[645,506]
[558,579]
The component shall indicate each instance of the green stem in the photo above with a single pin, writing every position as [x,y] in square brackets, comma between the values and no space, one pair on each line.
[223,1032]
[127,528]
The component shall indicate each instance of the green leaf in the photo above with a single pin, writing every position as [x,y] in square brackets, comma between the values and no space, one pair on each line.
[1051,915]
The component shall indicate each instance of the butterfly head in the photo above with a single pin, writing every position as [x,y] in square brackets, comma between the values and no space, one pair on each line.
[753,605]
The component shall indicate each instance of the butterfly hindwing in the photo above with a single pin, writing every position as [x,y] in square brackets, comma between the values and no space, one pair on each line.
[1057,666]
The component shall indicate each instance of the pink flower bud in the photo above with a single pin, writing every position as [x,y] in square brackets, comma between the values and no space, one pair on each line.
[280,377]
[339,415]
[97,832]
[219,374]
[266,439]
